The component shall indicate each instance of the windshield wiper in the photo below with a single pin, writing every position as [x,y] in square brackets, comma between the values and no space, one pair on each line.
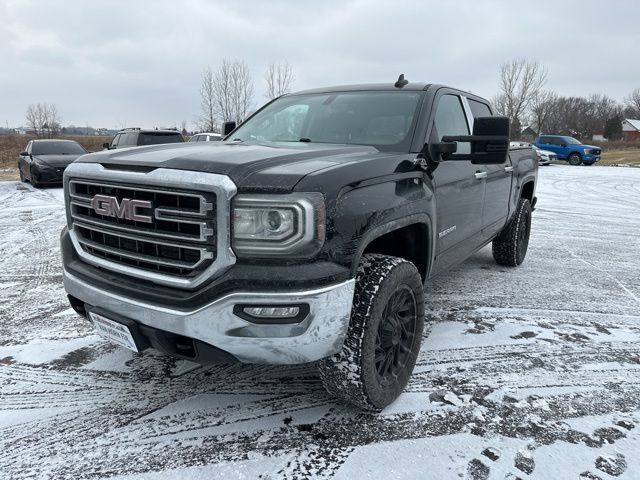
[304,139]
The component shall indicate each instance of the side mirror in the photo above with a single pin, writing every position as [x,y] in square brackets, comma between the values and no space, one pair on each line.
[489,142]
[563,145]
[24,154]
[106,145]
[228,128]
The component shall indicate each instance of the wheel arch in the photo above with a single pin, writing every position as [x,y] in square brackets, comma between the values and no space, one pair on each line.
[528,190]
[409,238]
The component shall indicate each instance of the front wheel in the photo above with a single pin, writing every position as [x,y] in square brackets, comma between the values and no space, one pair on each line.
[384,335]
[510,247]
[22,179]
[574,159]
[33,179]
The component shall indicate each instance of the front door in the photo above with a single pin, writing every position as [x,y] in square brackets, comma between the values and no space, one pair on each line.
[459,189]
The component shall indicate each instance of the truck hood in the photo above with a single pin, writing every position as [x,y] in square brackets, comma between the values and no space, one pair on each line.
[250,166]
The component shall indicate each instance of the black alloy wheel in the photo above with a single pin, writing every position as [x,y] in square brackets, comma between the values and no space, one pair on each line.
[396,335]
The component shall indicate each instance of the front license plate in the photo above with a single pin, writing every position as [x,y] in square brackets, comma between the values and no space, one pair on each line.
[114,331]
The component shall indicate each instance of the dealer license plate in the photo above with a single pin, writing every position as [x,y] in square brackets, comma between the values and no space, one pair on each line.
[114,331]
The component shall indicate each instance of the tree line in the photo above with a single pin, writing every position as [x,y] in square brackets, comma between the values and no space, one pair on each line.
[526,102]
[227,93]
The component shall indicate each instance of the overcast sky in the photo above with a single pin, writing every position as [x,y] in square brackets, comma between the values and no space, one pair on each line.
[139,63]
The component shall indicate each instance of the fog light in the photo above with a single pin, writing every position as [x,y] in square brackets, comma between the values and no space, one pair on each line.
[290,314]
[272,312]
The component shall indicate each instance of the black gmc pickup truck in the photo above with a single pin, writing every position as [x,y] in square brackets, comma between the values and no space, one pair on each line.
[306,235]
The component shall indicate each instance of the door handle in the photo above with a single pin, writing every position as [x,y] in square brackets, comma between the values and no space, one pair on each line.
[508,169]
[480,175]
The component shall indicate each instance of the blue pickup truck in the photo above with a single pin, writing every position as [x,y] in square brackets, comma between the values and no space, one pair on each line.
[569,149]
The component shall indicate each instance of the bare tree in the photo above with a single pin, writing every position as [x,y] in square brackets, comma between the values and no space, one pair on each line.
[542,106]
[33,118]
[44,119]
[632,104]
[520,82]
[601,109]
[53,120]
[279,78]
[226,94]
[207,121]
[233,91]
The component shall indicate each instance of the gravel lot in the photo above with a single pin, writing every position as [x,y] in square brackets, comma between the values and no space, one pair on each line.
[531,372]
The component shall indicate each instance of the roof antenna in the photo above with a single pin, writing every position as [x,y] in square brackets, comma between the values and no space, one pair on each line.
[401,81]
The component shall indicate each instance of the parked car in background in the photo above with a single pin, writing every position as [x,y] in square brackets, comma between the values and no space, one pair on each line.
[569,149]
[44,161]
[545,157]
[137,137]
[206,137]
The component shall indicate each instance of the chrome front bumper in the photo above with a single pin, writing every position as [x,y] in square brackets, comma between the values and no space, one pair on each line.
[319,335]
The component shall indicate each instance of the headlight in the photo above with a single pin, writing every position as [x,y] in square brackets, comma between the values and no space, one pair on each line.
[267,225]
[587,151]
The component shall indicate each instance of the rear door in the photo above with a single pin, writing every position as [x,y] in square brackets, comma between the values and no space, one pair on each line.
[459,187]
[495,209]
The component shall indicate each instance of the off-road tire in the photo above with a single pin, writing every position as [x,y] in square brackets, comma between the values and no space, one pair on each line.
[353,375]
[510,247]
[575,159]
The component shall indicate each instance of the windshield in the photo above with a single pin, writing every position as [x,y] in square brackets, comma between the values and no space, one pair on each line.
[572,141]
[58,148]
[155,138]
[380,119]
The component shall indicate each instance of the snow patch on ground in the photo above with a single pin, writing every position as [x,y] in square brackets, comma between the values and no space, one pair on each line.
[523,373]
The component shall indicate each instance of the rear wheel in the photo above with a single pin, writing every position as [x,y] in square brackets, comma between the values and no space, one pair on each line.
[510,247]
[384,335]
[574,159]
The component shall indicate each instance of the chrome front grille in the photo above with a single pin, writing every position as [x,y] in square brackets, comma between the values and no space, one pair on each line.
[179,239]
[174,237]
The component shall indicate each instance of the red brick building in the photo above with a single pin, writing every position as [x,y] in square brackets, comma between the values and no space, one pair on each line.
[631,130]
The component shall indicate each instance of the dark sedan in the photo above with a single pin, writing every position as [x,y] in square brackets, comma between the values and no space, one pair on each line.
[43,161]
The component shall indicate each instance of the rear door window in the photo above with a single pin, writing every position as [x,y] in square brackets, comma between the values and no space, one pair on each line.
[155,138]
[128,139]
[478,109]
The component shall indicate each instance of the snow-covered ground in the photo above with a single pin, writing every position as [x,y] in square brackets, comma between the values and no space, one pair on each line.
[531,372]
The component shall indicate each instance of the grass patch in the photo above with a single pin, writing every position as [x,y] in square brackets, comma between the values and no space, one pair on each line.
[628,156]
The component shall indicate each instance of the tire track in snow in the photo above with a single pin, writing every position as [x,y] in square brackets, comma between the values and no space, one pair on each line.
[519,358]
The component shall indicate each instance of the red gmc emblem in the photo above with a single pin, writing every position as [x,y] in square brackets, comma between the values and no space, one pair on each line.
[126,208]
